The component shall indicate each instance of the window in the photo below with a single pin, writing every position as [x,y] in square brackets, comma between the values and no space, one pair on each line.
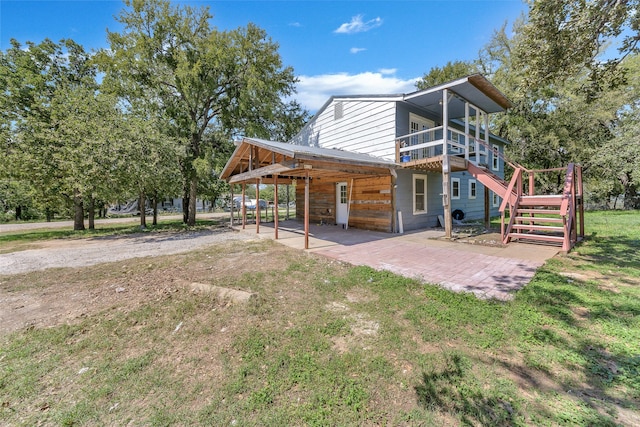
[419,194]
[496,160]
[455,188]
[338,111]
[472,189]
[495,200]
[343,194]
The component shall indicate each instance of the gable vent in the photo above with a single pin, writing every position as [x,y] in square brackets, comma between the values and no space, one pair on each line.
[338,111]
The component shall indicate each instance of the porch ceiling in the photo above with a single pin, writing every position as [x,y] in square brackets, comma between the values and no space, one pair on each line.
[260,159]
[475,89]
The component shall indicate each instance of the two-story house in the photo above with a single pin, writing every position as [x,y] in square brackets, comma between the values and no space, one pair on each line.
[396,162]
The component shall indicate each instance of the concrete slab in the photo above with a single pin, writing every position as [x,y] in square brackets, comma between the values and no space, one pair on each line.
[488,272]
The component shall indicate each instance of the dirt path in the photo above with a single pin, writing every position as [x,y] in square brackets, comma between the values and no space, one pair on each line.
[85,252]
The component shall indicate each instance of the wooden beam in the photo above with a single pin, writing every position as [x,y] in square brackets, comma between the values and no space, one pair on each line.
[263,171]
[446,170]
[231,205]
[243,206]
[257,206]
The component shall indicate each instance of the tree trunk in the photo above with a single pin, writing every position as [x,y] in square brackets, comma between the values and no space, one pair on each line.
[49,214]
[193,191]
[154,200]
[185,203]
[631,196]
[92,213]
[78,214]
[141,207]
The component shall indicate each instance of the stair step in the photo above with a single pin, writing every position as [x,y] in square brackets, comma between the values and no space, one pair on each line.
[537,227]
[538,211]
[539,219]
[538,237]
[544,200]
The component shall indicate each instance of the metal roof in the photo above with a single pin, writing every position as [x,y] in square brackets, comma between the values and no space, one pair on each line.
[302,152]
[272,157]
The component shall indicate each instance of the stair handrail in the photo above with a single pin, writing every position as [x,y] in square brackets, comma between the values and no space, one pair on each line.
[517,175]
[567,191]
[516,182]
[514,165]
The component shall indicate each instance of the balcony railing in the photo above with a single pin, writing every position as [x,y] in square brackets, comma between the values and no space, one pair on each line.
[430,143]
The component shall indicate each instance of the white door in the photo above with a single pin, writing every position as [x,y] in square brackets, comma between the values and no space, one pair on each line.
[342,203]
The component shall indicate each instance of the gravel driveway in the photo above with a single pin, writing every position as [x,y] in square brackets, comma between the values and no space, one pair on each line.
[85,252]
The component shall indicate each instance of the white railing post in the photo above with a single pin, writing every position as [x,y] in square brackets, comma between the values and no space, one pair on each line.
[445,122]
[466,130]
[477,138]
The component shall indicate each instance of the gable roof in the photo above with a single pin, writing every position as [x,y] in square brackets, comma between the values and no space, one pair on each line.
[474,88]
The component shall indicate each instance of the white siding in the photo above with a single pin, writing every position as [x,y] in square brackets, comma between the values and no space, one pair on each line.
[366,127]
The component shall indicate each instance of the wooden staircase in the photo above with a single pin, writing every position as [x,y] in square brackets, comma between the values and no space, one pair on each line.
[537,218]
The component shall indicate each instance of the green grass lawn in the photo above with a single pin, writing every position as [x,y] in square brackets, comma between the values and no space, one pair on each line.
[326,343]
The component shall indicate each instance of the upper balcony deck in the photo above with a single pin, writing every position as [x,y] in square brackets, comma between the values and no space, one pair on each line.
[426,149]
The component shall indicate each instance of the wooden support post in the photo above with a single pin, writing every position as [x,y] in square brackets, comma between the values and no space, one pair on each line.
[257,206]
[487,209]
[244,206]
[532,184]
[394,221]
[231,205]
[446,171]
[275,203]
[446,199]
[581,200]
[306,211]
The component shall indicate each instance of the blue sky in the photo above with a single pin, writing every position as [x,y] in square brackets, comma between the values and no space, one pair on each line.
[335,47]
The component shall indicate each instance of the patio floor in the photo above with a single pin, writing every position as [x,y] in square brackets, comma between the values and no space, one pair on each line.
[489,272]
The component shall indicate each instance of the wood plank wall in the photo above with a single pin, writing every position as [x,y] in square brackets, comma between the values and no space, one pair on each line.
[371,206]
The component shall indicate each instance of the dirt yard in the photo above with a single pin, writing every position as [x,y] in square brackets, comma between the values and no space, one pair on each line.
[50,305]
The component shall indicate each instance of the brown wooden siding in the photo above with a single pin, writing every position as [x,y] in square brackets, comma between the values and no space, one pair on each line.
[371,206]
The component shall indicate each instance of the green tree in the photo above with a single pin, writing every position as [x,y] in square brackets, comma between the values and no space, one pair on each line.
[451,71]
[48,87]
[617,169]
[561,38]
[198,75]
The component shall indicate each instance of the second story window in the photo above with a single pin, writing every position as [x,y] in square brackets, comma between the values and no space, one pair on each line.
[495,158]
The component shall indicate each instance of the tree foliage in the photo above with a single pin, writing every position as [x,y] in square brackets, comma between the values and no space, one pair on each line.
[563,37]
[200,77]
[42,85]
[451,71]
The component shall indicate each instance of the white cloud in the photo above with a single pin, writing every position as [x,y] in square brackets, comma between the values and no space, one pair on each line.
[314,91]
[357,25]
[387,71]
[355,50]
[295,24]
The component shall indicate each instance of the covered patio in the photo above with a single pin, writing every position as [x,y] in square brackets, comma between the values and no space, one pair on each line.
[257,161]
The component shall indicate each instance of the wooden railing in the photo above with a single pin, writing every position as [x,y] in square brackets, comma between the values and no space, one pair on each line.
[571,206]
